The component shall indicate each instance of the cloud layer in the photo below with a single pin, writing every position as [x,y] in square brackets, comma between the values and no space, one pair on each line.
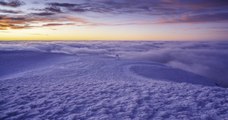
[208,59]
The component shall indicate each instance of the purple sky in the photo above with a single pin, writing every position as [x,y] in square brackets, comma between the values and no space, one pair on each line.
[113,20]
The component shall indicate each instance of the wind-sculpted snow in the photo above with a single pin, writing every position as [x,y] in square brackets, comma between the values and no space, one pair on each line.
[111,80]
[103,88]
[19,61]
[209,59]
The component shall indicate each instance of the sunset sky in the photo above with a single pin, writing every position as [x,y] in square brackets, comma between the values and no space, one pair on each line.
[113,19]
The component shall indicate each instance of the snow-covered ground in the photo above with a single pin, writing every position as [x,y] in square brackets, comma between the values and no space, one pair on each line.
[113,80]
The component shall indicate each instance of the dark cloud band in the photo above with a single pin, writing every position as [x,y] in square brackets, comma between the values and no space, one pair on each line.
[12,3]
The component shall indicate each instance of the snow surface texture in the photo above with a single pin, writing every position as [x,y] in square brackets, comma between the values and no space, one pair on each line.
[113,80]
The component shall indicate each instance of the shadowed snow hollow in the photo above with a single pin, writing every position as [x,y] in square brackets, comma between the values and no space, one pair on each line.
[159,72]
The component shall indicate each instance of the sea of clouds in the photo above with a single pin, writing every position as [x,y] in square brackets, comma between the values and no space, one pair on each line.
[206,58]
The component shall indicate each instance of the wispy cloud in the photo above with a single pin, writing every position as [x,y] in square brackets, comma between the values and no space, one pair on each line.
[53,9]
[23,22]
[9,11]
[11,3]
[62,4]
[56,24]
[157,7]
[43,14]
[200,18]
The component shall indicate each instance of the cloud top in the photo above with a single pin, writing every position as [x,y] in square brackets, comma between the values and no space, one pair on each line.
[208,59]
